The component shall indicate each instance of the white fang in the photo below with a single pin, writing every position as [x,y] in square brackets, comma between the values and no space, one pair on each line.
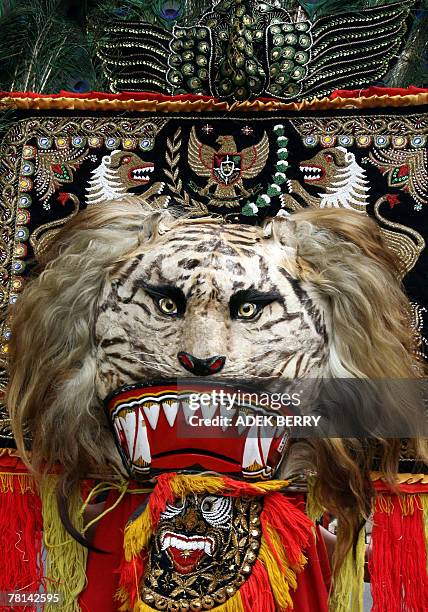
[170,410]
[251,449]
[142,446]
[152,414]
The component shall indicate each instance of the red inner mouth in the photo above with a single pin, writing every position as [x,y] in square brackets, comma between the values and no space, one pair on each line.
[185,561]
[200,447]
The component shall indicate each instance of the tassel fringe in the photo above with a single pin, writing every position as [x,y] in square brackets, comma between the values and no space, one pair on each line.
[398,564]
[256,592]
[21,566]
[66,558]
[281,577]
[349,584]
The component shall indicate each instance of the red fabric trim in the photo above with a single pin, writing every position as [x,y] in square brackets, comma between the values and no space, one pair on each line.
[9,463]
[382,487]
[98,95]
[377,91]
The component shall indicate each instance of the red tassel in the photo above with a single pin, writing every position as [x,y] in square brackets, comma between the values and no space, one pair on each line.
[160,497]
[21,566]
[131,574]
[397,565]
[292,525]
[256,593]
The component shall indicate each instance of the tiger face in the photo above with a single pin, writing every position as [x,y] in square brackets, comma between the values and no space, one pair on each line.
[206,298]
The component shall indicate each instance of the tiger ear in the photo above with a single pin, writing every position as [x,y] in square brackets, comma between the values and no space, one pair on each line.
[131,216]
[349,226]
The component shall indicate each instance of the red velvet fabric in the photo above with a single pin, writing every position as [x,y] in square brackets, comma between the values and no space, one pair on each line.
[310,596]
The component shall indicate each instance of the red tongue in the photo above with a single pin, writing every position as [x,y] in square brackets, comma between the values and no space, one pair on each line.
[185,561]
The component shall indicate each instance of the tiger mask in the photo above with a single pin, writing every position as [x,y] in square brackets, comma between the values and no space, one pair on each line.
[128,294]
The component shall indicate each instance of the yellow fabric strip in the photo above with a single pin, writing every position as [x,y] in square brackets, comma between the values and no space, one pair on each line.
[66,558]
[11,452]
[186,106]
[406,478]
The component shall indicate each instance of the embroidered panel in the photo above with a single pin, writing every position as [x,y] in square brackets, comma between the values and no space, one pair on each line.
[241,49]
[244,167]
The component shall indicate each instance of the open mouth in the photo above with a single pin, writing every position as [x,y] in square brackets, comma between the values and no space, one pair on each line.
[140,174]
[161,428]
[186,551]
[312,173]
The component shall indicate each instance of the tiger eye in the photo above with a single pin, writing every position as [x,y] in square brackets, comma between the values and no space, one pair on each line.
[247,310]
[168,306]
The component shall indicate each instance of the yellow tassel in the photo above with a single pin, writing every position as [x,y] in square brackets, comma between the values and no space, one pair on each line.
[122,597]
[424,504]
[314,508]
[66,558]
[280,578]
[234,604]
[407,504]
[384,503]
[137,534]
[184,484]
[349,584]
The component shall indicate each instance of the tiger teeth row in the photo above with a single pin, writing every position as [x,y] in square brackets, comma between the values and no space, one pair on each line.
[132,425]
[206,411]
[140,173]
[312,173]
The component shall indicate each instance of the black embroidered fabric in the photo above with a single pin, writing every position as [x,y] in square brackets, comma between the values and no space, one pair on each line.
[245,167]
[241,49]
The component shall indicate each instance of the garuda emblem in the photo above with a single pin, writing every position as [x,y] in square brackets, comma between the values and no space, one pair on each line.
[226,168]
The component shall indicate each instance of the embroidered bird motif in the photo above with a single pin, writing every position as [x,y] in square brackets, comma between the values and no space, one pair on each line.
[226,168]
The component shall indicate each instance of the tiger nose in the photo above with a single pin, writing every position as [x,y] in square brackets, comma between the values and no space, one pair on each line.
[201,367]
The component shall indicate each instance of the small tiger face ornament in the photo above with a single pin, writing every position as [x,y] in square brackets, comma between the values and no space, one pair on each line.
[207,299]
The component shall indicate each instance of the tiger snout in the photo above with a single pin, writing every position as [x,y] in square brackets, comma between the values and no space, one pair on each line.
[201,367]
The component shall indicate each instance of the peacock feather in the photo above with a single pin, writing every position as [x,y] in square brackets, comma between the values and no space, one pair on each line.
[41,49]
